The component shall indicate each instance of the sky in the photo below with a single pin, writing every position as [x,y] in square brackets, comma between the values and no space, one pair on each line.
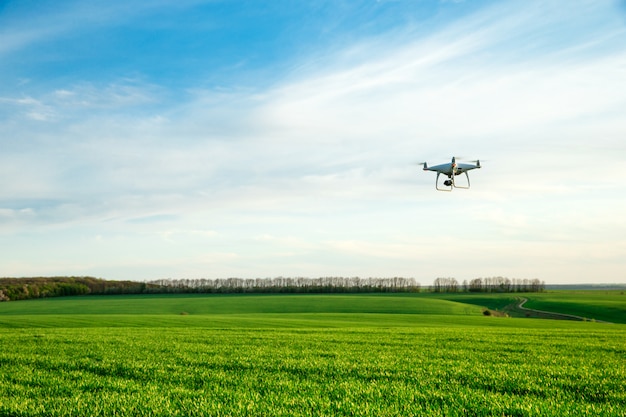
[213,139]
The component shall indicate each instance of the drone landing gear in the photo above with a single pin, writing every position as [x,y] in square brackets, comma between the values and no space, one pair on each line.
[450,183]
[447,183]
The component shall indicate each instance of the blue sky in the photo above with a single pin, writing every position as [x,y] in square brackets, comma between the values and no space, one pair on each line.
[189,139]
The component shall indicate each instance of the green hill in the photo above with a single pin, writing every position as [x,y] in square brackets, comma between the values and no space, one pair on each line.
[186,309]
[324,310]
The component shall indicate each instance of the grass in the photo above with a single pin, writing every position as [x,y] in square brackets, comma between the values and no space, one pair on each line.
[597,305]
[366,355]
[237,304]
[606,305]
[419,371]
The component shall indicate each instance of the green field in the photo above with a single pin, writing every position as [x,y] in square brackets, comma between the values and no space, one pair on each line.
[598,305]
[308,355]
[590,304]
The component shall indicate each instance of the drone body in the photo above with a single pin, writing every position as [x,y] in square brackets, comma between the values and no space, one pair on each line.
[451,170]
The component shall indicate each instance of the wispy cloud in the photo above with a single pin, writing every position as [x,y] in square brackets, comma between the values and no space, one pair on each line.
[80,101]
[24,25]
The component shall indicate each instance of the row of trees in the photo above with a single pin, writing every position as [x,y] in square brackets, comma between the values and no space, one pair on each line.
[26,288]
[289,285]
[42,287]
[491,284]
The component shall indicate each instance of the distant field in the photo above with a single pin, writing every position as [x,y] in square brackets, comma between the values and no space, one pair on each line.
[220,310]
[302,355]
[239,304]
[601,305]
[598,305]
[606,305]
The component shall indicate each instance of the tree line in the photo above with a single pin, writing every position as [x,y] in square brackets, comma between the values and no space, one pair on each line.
[42,287]
[289,285]
[491,284]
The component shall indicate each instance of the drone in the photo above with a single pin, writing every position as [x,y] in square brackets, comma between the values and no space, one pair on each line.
[452,169]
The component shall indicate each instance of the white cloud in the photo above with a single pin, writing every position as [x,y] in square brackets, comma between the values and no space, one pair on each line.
[178,234]
[111,96]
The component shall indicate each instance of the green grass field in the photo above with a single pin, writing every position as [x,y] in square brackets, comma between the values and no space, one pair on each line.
[306,355]
[591,304]
[598,305]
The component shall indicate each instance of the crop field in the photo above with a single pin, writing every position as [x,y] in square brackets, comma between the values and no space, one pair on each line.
[301,355]
[598,305]
[604,305]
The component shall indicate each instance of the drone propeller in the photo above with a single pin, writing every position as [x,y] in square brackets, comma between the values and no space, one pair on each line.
[471,161]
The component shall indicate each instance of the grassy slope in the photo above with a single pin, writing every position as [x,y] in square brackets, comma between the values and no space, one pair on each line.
[593,304]
[598,305]
[237,304]
[250,311]
[228,311]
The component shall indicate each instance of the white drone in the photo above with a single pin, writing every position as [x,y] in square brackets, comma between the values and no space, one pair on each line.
[452,169]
